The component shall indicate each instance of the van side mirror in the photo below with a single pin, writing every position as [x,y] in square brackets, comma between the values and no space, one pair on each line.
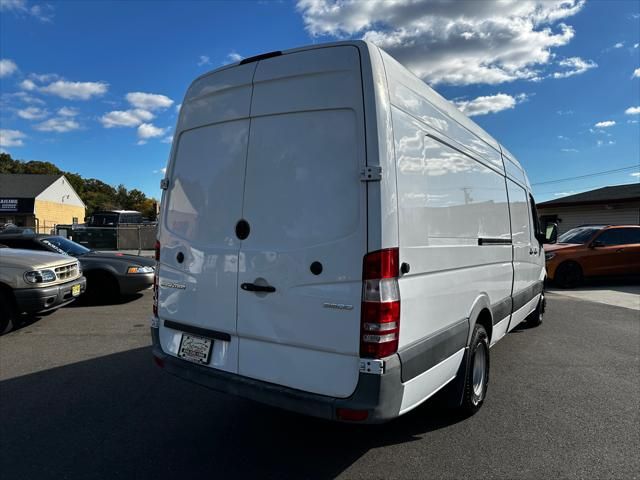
[551,233]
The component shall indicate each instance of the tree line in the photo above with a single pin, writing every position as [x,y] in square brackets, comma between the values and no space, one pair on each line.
[95,194]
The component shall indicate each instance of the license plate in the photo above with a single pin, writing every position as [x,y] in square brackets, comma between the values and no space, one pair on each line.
[195,349]
[75,290]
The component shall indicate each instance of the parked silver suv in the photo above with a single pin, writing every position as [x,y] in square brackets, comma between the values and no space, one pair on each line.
[33,282]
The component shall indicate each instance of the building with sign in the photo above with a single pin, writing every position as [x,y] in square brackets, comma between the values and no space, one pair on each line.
[39,201]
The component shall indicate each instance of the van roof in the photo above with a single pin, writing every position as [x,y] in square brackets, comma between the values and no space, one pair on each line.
[454,113]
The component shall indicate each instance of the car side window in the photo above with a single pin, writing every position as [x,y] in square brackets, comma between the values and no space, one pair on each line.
[619,236]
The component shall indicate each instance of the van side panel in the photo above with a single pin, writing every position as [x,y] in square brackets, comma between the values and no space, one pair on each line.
[448,203]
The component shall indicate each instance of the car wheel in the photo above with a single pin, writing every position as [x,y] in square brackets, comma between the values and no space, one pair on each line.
[568,275]
[102,286]
[477,379]
[536,317]
[8,315]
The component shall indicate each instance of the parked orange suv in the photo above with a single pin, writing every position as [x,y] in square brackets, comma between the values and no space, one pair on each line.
[593,250]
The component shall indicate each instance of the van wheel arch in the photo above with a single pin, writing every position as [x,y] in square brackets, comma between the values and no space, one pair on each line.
[481,313]
[486,320]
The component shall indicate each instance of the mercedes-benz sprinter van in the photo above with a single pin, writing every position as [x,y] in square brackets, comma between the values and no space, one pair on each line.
[337,239]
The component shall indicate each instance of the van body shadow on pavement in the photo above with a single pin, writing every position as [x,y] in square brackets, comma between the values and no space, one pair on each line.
[81,399]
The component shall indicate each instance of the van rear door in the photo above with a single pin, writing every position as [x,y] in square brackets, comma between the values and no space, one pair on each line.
[198,272]
[306,209]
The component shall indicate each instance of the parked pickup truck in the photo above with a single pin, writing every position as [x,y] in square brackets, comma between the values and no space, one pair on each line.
[36,282]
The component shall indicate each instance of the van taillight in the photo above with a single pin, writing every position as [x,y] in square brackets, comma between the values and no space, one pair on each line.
[157,249]
[380,312]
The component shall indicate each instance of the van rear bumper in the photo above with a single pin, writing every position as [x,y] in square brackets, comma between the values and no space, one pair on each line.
[380,395]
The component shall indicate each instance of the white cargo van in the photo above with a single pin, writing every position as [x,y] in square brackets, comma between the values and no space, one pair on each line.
[337,239]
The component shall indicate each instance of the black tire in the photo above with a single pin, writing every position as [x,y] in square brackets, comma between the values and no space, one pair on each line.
[568,275]
[477,376]
[537,316]
[8,314]
[102,286]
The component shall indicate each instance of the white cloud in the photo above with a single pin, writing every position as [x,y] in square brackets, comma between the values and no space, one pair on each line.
[126,118]
[43,12]
[605,124]
[562,137]
[162,170]
[636,45]
[204,60]
[11,138]
[58,124]
[28,85]
[635,174]
[574,66]
[178,106]
[636,73]
[149,101]
[618,45]
[572,150]
[167,139]
[75,90]
[600,143]
[68,112]
[489,104]
[449,41]
[7,67]
[148,130]
[632,111]
[632,121]
[22,96]
[565,112]
[32,113]
[234,57]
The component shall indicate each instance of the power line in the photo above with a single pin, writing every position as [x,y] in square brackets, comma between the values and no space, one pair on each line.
[606,172]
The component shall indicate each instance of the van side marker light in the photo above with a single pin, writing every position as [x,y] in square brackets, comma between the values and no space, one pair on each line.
[368,365]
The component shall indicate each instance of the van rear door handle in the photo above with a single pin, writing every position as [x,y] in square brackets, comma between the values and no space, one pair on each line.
[620,250]
[252,287]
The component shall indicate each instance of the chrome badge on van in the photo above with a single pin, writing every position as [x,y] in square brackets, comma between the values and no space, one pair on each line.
[179,286]
[338,306]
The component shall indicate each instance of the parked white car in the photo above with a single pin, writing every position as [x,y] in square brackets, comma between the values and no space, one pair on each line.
[34,282]
[337,239]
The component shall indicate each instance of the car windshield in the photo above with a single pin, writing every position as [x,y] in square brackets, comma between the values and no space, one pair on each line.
[63,245]
[578,235]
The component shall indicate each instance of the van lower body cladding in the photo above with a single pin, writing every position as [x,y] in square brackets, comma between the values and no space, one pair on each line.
[381,395]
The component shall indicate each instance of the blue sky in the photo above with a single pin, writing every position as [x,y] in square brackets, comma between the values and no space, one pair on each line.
[93,86]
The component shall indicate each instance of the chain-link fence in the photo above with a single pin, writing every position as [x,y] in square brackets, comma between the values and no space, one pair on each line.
[124,237]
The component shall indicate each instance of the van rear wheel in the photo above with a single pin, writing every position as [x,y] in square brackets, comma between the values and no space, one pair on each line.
[477,379]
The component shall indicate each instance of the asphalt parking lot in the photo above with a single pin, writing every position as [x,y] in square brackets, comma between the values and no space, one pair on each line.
[80,398]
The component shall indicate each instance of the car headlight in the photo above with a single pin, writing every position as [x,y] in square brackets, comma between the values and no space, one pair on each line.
[549,256]
[135,270]
[40,276]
